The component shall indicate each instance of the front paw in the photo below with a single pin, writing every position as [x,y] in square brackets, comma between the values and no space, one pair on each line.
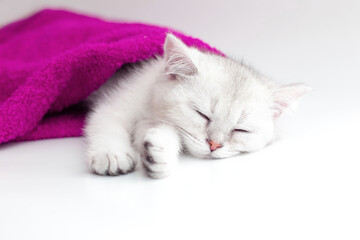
[112,162]
[158,162]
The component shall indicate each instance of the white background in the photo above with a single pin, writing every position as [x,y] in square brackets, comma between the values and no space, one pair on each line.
[305,186]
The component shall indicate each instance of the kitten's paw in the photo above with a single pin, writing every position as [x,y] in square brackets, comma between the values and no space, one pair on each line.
[159,155]
[112,162]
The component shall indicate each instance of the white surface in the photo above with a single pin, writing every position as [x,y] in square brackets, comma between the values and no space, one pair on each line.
[306,186]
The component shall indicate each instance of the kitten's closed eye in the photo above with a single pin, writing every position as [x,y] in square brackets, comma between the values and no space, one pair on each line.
[203,115]
[241,130]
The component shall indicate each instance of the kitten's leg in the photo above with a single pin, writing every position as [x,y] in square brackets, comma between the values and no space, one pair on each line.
[109,149]
[159,146]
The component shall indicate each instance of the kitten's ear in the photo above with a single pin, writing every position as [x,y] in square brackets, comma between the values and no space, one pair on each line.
[178,61]
[286,96]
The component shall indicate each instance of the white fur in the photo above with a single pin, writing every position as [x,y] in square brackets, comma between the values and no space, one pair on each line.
[151,112]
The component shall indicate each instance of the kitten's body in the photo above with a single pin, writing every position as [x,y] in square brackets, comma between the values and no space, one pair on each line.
[211,106]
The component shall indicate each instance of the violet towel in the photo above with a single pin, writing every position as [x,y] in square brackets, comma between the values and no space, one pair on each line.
[55,58]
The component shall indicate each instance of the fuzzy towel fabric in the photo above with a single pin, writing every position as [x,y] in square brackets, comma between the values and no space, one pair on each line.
[55,58]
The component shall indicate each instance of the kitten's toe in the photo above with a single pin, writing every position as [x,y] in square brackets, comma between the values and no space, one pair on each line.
[157,170]
[99,165]
[113,164]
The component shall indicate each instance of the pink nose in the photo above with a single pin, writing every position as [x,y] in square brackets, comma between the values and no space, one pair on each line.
[214,145]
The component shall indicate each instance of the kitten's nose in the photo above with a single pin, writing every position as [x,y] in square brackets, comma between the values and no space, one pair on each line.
[214,145]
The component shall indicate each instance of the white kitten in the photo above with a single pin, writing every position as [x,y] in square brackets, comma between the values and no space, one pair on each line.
[205,104]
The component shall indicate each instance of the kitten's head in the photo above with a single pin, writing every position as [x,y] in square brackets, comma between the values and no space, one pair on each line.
[219,106]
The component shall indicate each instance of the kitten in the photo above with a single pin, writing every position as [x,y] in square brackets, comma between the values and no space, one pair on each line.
[207,105]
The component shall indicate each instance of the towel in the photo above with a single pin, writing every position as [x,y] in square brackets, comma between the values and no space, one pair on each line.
[52,60]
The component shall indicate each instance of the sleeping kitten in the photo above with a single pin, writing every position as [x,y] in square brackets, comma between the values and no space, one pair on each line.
[207,105]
